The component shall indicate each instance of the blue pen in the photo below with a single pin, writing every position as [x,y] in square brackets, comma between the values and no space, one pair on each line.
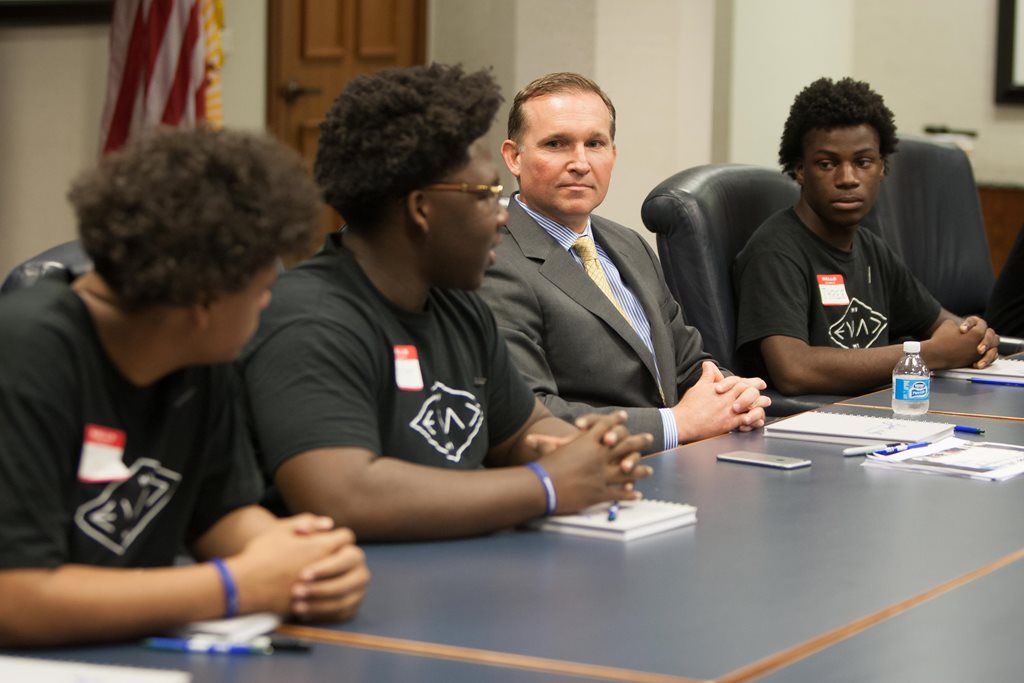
[206,645]
[901,448]
[997,382]
[613,511]
[968,430]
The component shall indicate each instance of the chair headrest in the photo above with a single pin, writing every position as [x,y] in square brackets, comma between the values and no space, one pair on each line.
[65,262]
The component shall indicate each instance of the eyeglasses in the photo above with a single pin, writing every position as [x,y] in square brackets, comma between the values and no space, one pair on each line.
[482,191]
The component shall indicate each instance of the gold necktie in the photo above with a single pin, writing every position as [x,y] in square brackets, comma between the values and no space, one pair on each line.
[584,246]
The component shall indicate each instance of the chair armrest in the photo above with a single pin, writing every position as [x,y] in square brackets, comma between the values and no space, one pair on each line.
[783,406]
[1010,345]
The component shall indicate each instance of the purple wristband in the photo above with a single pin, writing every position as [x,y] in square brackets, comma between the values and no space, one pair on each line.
[230,588]
[549,486]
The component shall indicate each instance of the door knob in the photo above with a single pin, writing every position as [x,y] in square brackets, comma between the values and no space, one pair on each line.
[293,90]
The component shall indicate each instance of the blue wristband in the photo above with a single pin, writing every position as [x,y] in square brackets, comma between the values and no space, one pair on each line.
[230,588]
[549,487]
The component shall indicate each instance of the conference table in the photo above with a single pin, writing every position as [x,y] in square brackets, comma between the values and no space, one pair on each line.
[834,572]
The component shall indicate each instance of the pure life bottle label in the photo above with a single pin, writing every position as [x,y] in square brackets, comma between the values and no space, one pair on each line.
[911,389]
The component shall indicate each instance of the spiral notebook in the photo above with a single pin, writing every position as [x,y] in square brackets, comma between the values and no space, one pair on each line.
[1001,368]
[842,428]
[635,519]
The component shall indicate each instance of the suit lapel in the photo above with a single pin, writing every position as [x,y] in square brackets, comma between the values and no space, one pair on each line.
[564,273]
[634,271]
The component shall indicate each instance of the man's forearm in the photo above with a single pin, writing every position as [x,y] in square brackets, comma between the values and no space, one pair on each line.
[78,603]
[390,499]
[821,370]
[639,420]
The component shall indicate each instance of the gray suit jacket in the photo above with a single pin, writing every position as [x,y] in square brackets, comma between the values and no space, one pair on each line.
[575,350]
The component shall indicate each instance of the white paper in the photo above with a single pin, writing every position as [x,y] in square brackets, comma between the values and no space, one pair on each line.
[50,671]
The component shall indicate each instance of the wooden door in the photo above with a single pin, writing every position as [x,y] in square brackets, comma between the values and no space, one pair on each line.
[316,46]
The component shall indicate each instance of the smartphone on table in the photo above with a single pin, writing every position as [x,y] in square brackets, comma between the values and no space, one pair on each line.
[782,462]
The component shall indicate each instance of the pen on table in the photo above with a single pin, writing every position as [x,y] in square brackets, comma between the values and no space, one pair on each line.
[902,447]
[997,382]
[968,430]
[864,450]
[282,644]
[613,511]
[206,645]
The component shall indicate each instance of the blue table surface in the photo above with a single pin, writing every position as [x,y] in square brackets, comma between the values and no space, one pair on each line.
[776,558]
[973,633]
[758,572]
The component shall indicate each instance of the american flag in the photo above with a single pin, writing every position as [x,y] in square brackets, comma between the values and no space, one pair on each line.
[164,62]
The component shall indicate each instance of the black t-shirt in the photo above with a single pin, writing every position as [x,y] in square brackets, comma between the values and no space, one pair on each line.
[1005,312]
[788,281]
[94,470]
[336,365]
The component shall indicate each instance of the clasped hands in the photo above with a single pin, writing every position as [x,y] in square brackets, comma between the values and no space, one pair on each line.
[717,404]
[597,464]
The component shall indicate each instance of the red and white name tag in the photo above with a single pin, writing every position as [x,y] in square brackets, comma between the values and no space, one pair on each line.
[102,456]
[408,376]
[833,290]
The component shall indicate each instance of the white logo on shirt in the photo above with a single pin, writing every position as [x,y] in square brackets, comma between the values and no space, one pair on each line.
[117,516]
[859,327]
[449,420]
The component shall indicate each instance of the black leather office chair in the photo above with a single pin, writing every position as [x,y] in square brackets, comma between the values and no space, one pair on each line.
[64,262]
[929,212]
[703,216]
[1005,311]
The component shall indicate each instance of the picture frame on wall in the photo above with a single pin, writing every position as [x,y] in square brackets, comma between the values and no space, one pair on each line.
[1010,53]
[48,12]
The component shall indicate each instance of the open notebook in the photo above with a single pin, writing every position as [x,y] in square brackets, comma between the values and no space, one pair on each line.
[635,519]
[857,429]
[1001,368]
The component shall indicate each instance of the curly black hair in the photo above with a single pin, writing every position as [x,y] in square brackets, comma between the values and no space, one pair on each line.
[825,104]
[181,216]
[397,130]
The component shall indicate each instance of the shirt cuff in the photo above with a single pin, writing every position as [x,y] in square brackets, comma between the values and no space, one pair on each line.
[668,425]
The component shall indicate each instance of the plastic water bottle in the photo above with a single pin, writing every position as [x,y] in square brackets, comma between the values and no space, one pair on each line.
[911,382]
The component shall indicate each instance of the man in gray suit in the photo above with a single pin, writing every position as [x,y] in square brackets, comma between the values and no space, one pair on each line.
[581,300]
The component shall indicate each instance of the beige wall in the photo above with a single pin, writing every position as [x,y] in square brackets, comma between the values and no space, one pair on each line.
[683,74]
[245,64]
[778,48]
[54,80]
[932,60]
[655,61]
[946,75]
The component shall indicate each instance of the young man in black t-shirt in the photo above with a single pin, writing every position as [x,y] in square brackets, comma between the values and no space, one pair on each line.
[380,390]
[121,430]
[821,301]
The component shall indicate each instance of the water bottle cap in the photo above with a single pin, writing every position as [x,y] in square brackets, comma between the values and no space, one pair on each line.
[911,347]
